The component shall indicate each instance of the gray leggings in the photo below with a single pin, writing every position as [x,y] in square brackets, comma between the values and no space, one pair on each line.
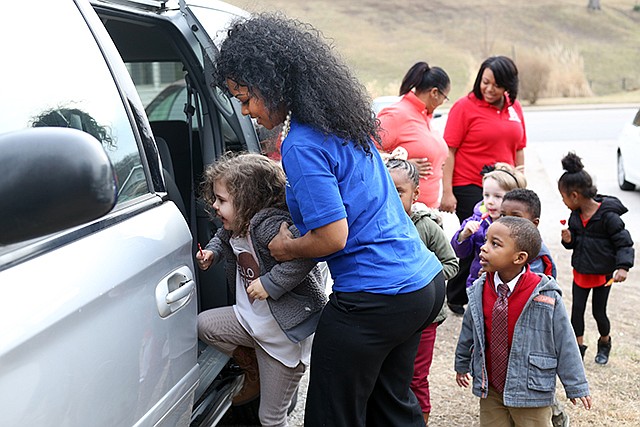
[220,328]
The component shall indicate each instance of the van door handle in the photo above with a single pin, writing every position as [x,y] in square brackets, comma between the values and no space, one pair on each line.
[185,289]
[175,291]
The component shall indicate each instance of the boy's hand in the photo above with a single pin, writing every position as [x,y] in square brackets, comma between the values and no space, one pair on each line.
[277,245]
[462,379]
[469,228]
[256,291]
[586,402]
[204,259]
[566,235]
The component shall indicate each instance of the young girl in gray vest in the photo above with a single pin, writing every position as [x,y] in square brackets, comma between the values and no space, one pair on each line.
[277,304]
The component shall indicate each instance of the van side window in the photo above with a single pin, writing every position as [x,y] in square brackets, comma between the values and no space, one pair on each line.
[69,86]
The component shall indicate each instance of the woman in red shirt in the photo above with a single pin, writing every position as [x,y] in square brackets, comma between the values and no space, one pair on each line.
[407,124]
[483,128]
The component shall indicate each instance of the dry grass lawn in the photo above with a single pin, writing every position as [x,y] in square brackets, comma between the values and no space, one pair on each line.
[381,39]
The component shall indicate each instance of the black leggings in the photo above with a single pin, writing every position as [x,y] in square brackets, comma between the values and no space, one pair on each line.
[598,305]
[467,196]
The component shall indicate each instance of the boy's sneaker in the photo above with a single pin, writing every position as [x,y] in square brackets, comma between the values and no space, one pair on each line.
[559,417]
[560,420]
[583,350]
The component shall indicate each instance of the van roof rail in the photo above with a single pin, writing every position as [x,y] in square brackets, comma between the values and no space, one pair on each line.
[146,4]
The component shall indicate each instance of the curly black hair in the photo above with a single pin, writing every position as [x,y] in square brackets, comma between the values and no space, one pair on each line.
[292,67]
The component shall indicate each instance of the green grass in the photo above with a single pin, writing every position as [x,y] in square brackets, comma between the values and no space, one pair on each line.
[381,39]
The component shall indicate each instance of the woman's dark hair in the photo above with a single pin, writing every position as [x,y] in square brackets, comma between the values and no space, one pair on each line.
[575,178]
[422,78]
[505,73]
[294,68]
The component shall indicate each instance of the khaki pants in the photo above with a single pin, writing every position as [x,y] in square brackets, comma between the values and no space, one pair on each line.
[493,413]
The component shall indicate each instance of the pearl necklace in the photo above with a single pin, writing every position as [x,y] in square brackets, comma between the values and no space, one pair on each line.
[286,126]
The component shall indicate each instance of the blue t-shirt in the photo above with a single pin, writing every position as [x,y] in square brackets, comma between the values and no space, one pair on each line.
[327,181]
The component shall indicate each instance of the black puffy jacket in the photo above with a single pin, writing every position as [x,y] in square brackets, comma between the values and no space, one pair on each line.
[604,245]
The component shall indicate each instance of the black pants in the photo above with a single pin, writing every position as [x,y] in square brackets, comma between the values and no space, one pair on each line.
[598,308]
[467,197]
[362,358]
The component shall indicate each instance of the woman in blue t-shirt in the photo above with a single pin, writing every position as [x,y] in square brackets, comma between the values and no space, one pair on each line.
[386,285]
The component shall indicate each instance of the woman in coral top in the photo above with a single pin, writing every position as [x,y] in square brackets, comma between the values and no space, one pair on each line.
[407,124]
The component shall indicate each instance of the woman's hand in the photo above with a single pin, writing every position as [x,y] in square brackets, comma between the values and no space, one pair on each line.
[204,259]
[316,243]
[424,167]
[255,290]
[448,203]
[278,245]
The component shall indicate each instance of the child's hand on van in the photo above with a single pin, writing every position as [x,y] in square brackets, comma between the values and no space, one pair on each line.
[255,290]
[469,228]
[463,379]
[204,259]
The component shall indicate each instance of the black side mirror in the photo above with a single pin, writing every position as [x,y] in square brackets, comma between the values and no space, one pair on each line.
[52,179]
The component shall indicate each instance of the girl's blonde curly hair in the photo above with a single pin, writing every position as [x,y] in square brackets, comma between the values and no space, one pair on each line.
[253,181]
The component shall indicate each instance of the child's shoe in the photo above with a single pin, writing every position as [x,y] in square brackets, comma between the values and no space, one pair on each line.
[602,357]
[583,350]
[245,358]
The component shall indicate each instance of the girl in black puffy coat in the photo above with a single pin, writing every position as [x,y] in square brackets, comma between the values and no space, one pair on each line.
[602,249]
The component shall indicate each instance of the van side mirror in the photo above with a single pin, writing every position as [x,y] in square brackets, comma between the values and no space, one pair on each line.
[52,179]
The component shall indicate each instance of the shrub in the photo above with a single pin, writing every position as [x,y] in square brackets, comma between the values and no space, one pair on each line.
[566,76]
[533,70]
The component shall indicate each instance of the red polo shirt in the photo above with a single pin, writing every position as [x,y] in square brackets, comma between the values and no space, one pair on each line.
[407,124]
[483,135]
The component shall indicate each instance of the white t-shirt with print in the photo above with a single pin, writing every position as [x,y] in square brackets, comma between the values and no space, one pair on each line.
[255,315]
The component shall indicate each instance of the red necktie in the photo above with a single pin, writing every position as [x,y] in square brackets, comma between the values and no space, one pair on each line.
[500,338]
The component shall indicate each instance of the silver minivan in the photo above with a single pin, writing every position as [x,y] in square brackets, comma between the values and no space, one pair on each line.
[100,217]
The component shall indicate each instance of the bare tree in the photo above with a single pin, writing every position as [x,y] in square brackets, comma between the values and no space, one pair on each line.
[594,5]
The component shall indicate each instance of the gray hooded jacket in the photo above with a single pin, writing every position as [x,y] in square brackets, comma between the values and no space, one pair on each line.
[295,288]
[543,346]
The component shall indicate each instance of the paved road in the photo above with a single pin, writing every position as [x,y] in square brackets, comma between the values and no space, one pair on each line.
[592,139]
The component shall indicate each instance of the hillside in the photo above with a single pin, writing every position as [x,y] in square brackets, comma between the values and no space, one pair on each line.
[381,39]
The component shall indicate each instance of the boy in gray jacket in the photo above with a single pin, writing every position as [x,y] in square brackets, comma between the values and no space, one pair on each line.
[516,335]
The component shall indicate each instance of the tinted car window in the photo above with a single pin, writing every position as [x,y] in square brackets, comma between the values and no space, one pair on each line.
[65,82]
